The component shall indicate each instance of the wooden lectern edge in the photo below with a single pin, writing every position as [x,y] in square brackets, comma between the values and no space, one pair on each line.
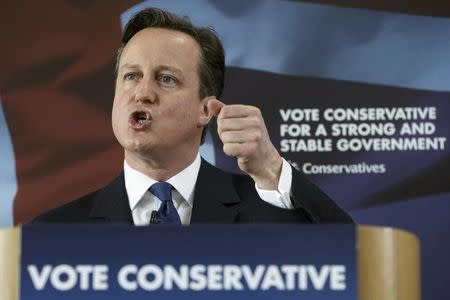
[388,263]
[388,229]
[9,263]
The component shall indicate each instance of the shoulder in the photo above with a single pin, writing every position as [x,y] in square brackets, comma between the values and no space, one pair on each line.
[108,204]
[215,176]
[320,207]
[72,212]
[306,197]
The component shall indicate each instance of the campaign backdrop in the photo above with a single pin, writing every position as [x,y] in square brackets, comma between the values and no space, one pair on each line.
[356,98]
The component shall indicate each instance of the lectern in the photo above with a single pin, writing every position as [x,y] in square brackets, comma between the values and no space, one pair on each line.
[387,259]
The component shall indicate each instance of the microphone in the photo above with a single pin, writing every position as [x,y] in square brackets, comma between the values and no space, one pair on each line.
[154,218]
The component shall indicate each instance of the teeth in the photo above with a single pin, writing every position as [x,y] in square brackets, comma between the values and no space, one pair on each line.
[140,118]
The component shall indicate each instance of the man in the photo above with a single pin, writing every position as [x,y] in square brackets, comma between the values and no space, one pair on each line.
[170,75]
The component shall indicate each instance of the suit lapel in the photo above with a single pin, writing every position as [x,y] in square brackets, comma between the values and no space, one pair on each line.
[111,203]
[215,198]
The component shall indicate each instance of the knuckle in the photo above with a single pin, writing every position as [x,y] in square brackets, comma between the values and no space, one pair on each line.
[225,136]
[257,135]
[256,111]
[225,111]
[232,150]
[228,149]
[254,136]
[255,122]
[220,127]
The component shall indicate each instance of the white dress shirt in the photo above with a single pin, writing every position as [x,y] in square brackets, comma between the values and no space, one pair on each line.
[142,202]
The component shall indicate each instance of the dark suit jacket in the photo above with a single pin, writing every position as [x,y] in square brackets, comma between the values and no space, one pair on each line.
[219,197]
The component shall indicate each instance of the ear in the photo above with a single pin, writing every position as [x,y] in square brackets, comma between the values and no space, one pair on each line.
[205,114]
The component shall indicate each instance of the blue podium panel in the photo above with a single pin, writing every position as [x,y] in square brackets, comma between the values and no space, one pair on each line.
[315,262]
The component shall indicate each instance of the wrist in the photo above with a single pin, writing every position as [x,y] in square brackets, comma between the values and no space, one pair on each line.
[268,176]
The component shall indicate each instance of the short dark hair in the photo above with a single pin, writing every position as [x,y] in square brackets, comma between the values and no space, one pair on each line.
[211,69]
[212,61]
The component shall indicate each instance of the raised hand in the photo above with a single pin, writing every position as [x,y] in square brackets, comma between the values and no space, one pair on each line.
[244,135]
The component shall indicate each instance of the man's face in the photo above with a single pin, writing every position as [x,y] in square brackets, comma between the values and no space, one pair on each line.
[157,110]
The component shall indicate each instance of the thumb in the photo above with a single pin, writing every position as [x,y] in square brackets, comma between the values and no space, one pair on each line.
[215,106]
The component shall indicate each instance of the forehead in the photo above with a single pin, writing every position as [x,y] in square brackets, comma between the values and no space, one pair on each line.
[160,46]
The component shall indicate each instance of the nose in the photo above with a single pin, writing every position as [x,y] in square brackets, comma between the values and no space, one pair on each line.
[145,92]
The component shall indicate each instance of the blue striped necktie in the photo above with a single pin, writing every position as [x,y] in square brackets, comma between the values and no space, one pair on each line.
[167,213]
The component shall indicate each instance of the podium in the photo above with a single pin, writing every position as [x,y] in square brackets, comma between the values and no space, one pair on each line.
[387,259]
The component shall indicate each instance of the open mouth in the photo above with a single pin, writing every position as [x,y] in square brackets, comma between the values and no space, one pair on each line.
[139,119]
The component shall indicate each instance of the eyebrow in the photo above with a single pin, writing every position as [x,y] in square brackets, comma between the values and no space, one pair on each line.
[171,69]
[129,66]
[158,69]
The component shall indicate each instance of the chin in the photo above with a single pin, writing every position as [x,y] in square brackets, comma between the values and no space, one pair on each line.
[136,145]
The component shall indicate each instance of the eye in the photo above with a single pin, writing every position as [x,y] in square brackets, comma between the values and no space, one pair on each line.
[130,76]
[167,79]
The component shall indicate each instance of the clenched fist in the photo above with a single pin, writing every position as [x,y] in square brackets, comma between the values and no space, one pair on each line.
[244,136]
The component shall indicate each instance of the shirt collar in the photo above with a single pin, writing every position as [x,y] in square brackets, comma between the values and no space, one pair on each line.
[137,183]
